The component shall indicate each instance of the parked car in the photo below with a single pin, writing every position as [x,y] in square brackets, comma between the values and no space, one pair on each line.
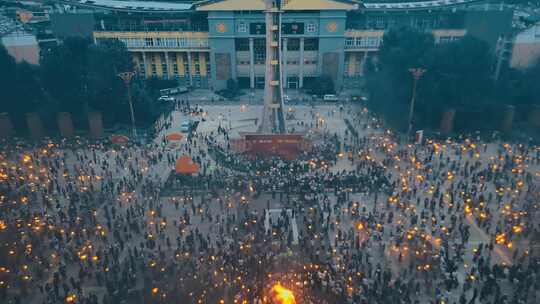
[286,99]
[359,98]
[330,97]
[166,99]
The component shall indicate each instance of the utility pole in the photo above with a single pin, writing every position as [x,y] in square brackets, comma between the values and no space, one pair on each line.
[126,77]
[501,52]
[417,74]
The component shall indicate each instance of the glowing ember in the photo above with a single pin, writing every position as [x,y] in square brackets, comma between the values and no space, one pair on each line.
[282,295]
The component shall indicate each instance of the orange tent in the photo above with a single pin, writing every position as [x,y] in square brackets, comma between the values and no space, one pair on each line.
[119,139]
[185,165]
[174,136]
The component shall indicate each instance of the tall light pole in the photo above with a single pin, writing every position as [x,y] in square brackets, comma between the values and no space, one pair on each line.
[417,74]
[126,77]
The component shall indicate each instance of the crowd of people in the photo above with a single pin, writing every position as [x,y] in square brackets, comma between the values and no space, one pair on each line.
[364,219]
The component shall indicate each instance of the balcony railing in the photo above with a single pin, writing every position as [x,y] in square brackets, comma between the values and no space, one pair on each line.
[354,43]
[157,40]
[355,40]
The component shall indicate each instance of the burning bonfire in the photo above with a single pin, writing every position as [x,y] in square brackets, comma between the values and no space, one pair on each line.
[282,295]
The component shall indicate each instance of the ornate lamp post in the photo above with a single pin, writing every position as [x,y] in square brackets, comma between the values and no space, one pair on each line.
[126,77]
[417,74]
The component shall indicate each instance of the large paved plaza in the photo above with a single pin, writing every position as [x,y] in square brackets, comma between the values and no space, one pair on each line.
[361,218]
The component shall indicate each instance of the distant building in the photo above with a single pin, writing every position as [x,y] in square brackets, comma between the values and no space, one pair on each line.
[205,43]
[29,16]
[526,48]
[22,46]
[80,23]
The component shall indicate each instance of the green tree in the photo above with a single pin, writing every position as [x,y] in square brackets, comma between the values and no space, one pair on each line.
[521,86]
[458,77]
[20,88]
[388,79]
[8,69]
[104,90]
[321,85]
[63,71]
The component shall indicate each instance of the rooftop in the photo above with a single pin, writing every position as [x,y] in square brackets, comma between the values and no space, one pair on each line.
[158,6]
[414,5]
[175,6]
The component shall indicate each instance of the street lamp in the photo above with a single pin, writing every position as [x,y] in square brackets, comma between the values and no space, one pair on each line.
[417,74]
[126,77]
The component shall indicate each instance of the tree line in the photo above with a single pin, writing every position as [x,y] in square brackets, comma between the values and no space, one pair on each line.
[459,75]
[78,77]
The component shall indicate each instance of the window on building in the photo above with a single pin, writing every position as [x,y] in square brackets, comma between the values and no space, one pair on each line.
[370,23]
[186,64]
[242,44]
[293,44]
[349,41]
[148,42]
[242,27]
[159,42]
[360,41]
[154,69]
[259,46]
[380,23]
[208,66]
[311,44]
[311,28]
[142,69]
[197,64]
[259,57]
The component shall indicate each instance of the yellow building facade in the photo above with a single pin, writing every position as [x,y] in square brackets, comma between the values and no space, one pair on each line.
[168,55]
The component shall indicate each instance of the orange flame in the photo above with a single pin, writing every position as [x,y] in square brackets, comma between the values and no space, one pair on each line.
[282,295]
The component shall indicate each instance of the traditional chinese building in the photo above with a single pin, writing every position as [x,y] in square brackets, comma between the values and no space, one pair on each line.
[205,43]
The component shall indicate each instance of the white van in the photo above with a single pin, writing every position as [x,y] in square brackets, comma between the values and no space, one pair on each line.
[330,97]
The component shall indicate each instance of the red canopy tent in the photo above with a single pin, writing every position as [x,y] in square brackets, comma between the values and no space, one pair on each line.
[119,139]
[174,137]
[185,165]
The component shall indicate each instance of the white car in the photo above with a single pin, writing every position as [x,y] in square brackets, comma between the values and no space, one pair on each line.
[330,97]
[166,99]
[286,99]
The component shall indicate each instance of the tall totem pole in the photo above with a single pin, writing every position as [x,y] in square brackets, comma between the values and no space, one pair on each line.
[273,120]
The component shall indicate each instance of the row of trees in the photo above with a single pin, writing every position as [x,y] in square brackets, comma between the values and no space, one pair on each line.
[77,77]
[459,76]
